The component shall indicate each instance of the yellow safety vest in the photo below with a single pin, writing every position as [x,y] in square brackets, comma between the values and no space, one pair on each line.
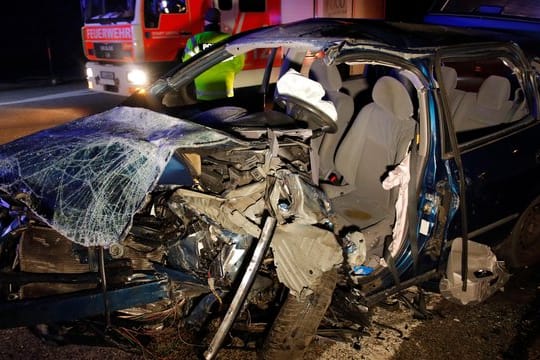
[218,81]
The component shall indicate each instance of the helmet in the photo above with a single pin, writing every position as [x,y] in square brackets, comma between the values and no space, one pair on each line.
[213,15]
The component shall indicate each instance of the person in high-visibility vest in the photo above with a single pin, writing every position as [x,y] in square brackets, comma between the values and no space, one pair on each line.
[218,81]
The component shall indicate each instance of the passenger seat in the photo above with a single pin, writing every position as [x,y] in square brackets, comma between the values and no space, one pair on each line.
[377,140]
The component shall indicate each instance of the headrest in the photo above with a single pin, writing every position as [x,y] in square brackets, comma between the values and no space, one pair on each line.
[494,92]
[327,75]
[392,96]
[449,77]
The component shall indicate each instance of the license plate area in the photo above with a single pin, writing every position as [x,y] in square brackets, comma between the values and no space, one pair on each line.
[108,75]
[107,78]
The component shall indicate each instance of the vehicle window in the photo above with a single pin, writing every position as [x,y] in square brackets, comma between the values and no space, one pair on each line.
[236,81]
[153,8]
[254,67]
[172,7]
[252,5]
[484,97]
[102,11]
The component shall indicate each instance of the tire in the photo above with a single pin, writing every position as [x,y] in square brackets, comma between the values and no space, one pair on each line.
[524,241]
[297,322]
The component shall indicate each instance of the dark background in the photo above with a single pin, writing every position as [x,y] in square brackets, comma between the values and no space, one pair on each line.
[42,39]
[29,28]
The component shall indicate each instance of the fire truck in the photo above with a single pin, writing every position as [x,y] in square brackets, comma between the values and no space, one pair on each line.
[128,43]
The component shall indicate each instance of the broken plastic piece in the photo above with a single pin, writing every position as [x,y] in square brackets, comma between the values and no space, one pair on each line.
[362,270]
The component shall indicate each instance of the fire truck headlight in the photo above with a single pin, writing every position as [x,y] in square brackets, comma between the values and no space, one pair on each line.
[137,77]
[89,73]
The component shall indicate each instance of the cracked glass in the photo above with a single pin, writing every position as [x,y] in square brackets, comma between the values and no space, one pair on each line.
[87,178]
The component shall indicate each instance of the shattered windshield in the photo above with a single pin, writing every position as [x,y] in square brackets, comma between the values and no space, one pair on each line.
[93,174]
[518,8]
[107,10]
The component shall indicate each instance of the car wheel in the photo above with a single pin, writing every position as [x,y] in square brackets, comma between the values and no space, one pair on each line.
[524,241]
[297,322]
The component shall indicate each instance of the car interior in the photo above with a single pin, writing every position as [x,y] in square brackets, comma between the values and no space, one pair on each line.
[377,111]
[376,125]
[484,97]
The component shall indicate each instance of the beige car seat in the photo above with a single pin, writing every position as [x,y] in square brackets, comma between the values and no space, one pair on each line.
[378,139]
[330,79]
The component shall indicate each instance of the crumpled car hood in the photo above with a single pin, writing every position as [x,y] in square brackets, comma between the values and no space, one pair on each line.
[87,178]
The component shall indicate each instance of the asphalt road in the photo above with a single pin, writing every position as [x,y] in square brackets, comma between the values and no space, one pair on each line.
[30,109]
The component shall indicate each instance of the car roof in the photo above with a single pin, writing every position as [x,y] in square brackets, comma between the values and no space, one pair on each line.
[325,32]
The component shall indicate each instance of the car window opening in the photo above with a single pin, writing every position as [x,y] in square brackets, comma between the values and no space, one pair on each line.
[484,96]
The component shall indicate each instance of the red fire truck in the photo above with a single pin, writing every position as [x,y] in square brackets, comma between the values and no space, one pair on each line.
[129,42]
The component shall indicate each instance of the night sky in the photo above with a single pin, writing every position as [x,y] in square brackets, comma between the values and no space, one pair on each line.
[30,27]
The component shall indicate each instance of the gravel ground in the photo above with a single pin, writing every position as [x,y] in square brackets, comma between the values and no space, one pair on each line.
[506,326]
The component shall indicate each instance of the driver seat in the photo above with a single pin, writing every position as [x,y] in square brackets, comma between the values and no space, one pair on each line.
[330,79]
[378,140]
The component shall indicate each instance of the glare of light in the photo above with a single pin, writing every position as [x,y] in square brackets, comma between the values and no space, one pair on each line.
[89,73]
[165,6]
[137,77]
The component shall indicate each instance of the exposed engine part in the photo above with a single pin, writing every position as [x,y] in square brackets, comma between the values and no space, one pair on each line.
[295,200]
[116,251]
[152,231]
[485,274]
[243,289]
[141,254]
[178,305]
[302,253]
[249,200]
[43,250]
[185,253]
[50,264]
[202,311]
[222,211]
[35,254]
[212,252]
[231,257]
[243,160]
[230,169]
[262,292]
[296,154]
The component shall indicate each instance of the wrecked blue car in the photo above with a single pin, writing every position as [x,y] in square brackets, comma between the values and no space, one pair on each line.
[362,158]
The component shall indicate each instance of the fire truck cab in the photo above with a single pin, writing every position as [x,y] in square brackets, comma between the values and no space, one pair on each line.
[128,43]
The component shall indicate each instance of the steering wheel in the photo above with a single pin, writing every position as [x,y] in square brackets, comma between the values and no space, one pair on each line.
[306,112]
